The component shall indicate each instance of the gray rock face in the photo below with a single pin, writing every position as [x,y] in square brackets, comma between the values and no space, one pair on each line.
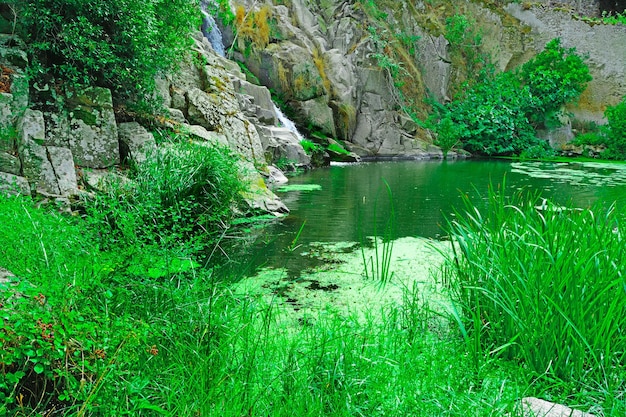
[49,169]
[93,132]
[325,62]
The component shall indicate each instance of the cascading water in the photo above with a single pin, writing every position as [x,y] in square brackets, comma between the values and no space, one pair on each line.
[214,36]
[287,123]
[210,29]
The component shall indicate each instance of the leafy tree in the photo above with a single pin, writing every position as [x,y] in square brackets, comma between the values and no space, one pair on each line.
[554,77]
[499,115]
[616,131]
[118,44]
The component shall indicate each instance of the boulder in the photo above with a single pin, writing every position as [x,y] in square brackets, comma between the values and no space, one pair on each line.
[258,196]
[317,113]
[261,97]
[280,143]
[59,175]
[200,133]
[275,176]
[12,184]
[93,135]
[31,136]
[535,407]
[135,142]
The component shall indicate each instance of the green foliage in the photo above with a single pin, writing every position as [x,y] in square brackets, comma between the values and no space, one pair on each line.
[542,285]
[223,11]
[492,117]
[60,344]
[182,190]
[498,116]
[118,44]
[616,131]
[309,146]
[554,77]
[448,135]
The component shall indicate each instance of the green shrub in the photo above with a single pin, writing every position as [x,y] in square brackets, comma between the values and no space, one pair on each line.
[554,77]
[181,190]
[499,115]
[448,135]
[492,116]
[118,44]
[616,131]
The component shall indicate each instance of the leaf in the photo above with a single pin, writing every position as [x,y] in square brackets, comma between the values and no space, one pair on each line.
[39,368]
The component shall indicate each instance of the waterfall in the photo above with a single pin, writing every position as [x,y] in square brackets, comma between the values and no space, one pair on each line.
[287,123]
[214,36]
[210,29]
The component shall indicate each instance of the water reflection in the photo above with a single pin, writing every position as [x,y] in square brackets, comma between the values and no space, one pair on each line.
[353,201]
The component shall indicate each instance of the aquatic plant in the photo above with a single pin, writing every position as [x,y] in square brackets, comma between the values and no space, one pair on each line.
[378,266]
[542,285]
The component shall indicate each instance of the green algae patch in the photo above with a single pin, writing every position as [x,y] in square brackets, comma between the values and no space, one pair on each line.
[340,288]
[599,174]
[299,187]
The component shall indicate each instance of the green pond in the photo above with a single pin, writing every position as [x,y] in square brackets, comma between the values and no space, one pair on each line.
[347,203]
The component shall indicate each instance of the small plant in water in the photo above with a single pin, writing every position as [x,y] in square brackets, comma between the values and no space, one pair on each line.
[378,266]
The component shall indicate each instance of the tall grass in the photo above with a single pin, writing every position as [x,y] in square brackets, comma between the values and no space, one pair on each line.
[543,285]
[182,190]
[130,340]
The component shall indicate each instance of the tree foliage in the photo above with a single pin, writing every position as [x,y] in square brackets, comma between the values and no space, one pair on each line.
[616,131]
[499,115]
[118,44]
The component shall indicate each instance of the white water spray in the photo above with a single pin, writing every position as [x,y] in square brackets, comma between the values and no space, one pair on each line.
[288,123]
[210,29]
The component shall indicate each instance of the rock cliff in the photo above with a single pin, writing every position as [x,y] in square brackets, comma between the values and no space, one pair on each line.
[48,152]
[357,70]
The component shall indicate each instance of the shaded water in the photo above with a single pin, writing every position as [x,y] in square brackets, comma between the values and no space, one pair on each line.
[353,202]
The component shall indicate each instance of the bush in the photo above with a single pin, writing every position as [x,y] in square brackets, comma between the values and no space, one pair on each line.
[117,44]
[554,77]
[180,191]
[616,131]
[499,116]
[492,117]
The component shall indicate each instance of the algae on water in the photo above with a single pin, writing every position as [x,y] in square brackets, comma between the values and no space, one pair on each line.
[299,187]
[340,287]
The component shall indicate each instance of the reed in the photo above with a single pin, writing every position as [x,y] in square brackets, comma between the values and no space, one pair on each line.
[378,266]
[543,285]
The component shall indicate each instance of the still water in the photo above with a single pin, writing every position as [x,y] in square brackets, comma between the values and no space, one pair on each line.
[353,201]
